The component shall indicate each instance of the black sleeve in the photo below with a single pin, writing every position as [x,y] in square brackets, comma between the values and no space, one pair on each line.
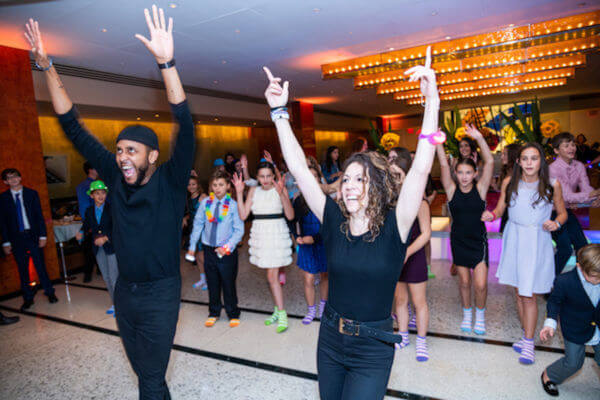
[180,164]
[556,298]
[86,221]
[90,148]
[37,208]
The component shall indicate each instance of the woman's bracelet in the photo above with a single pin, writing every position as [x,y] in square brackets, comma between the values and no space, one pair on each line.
[557,224]
[42,68]
[434,138]
[279,113]
[494,215]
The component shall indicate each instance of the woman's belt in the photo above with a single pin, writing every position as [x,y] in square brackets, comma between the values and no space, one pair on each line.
[268,216]
[350,327]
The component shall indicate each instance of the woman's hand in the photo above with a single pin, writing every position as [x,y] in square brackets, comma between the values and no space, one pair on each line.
[238,182]
[473,132]
[279,185]
[276,95]
[300,240]
[487,216]
[426,75]
[244,161]
[34,37]
[550,226]
[161,35]
[267,156]
[308,240]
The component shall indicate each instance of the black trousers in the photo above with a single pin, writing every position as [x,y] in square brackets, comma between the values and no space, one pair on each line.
[352,367]
[569,236]
[221,274]
[90,259]
[147,316]
[24,245]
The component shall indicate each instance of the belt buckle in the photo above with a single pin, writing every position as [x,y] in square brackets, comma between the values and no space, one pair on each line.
[344,324]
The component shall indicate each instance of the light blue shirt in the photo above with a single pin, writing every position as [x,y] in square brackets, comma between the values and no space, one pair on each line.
[99,211]
[593,292]
[229,231]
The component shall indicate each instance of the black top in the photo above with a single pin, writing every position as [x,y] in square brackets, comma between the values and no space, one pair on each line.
[466,210]
[147,218]
[95,229]
[362,274]
[569,301]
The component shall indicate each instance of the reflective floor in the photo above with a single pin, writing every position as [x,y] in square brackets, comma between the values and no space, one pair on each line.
[71,350]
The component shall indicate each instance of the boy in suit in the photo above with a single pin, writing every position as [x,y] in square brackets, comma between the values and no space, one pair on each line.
[576,299]
[24,229]
[97,224]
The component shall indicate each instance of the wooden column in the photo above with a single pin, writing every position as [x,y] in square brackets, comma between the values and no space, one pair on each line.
[21,148]
[303,124]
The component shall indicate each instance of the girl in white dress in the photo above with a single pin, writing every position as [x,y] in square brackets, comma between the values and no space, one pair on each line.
[527,260]
[270,242]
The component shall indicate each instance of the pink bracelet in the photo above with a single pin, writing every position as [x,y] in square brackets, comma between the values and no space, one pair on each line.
[434,138]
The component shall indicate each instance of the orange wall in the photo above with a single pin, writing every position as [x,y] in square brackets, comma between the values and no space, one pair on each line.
[21,148]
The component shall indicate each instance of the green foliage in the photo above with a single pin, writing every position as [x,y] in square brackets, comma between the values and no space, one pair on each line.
[449,126]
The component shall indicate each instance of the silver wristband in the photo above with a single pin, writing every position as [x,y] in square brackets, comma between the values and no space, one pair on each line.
[279,114]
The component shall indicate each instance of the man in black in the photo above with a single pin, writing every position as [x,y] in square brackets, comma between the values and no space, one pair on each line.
[147,206]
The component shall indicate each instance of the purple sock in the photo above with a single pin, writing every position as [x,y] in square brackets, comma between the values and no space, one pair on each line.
[322,304]
[405,342]
[312,311]
[422,352]
[527,352]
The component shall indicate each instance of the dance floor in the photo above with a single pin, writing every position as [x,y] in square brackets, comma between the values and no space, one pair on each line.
[71,350]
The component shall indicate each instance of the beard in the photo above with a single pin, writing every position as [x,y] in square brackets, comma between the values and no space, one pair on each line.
[141,174]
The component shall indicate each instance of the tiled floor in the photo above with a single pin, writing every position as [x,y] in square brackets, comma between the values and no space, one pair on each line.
[71,350]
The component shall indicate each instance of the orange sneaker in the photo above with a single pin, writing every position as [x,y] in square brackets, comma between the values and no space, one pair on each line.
[210,321]
[234,322]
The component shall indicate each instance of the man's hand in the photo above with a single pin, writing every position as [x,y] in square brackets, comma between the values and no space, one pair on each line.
[546,333]
[34,37]
[7,249]
[221,251]
[42,243]
[161,35]
[79,236]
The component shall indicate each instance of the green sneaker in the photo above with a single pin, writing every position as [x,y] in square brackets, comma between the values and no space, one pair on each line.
[273,318]
[282,324]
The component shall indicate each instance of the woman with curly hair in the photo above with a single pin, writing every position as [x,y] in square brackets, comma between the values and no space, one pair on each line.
[365,234]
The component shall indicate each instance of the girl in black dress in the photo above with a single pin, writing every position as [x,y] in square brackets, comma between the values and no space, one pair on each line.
[365,235]
[468,237]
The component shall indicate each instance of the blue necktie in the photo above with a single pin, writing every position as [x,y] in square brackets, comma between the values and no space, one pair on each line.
[19,213]
[213,229]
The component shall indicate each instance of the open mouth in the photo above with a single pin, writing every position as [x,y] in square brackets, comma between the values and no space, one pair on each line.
[128,171]
[351,197]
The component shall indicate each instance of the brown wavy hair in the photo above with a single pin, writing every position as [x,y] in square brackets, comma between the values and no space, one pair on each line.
[545,189]
[383,192]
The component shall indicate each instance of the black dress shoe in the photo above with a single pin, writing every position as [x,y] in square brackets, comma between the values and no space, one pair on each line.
[26,305]
[52,298]
[4,320]
[550,387]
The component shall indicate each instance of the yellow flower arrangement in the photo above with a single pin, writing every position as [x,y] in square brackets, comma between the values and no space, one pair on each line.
[550,128]
[460,133]
[390,140]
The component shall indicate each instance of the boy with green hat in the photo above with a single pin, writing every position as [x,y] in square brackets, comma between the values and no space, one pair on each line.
[97,222]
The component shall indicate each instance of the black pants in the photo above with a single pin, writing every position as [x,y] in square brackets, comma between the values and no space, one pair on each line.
[24,245]
[221,274]
[352,367]
[90,259]
[147,316]
[569,236]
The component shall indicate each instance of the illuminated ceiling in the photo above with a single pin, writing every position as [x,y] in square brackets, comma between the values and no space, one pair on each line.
[511,60]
